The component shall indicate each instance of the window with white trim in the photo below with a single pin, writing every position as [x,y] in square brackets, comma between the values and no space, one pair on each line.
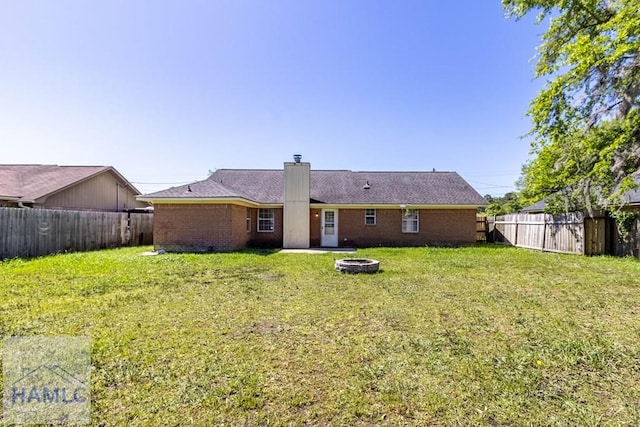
[248,220]
[369,217]
[410,221]
[266,220]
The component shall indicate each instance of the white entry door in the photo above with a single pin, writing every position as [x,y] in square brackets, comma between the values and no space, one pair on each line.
[329,230]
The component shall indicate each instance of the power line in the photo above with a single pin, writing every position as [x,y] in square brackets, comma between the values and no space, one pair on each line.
[160,183]
[492,185]
[494,173]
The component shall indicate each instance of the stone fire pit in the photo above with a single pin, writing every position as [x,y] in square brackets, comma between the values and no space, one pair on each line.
[357,265]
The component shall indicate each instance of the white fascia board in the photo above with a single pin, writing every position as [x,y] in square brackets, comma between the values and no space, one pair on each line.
[199,201]
[388,206]
[270,205]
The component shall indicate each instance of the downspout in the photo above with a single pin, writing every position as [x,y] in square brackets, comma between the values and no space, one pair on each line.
[21,205]
[117,197]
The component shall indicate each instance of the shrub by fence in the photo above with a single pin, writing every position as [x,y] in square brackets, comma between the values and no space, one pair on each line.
[35,232]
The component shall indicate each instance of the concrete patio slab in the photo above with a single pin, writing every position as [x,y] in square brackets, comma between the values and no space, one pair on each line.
[317,250]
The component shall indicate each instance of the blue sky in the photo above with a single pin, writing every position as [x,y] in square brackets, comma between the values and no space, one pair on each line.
[166,91]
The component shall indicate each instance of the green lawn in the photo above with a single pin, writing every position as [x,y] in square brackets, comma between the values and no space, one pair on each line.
[473,336]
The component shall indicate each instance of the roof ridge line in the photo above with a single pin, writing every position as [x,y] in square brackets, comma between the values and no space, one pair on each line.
[396,171]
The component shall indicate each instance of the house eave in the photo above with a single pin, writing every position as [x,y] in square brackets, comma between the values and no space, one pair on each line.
[316,205]
[200,201]
[389,206]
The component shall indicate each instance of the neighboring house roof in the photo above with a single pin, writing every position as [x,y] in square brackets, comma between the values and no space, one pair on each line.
[538,206]
[630,198]
[28,183]
[265,186]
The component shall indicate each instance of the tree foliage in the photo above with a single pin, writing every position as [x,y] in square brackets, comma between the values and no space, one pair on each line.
[509,203]
[586,121]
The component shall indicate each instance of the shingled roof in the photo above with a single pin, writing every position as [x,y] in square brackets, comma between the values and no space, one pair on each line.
[266,186]
[630,198]
[28,183]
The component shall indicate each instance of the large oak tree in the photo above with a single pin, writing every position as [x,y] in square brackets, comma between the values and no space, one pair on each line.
[586,120]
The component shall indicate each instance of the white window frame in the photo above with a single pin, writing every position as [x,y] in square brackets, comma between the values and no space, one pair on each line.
[248,220]
[368,214]
[410,220]
[266,216]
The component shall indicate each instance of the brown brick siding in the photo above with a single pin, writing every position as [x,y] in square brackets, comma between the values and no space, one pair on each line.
[314,223]
[240,238]
[449,225]
[203,228]
[266,239]
[198,227]
[436,226]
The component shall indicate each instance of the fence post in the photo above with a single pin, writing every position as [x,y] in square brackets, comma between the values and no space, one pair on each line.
[494,228]
[544,233]
[486,229]
[584,235]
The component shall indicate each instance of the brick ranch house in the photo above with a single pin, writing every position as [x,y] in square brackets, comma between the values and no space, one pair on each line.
[300,208]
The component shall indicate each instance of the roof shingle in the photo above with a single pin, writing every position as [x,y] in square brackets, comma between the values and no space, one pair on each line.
[266,186]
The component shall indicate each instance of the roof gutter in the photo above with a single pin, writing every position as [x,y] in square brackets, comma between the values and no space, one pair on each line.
[200,200]
[389,206]
[16,200]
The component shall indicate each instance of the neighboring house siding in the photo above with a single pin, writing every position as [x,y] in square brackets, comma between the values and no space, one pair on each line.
[102,192]
[196,228]
[436,226]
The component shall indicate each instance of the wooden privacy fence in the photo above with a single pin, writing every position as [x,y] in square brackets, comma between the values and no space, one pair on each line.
[481,228]
[35,232]
[565,233]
